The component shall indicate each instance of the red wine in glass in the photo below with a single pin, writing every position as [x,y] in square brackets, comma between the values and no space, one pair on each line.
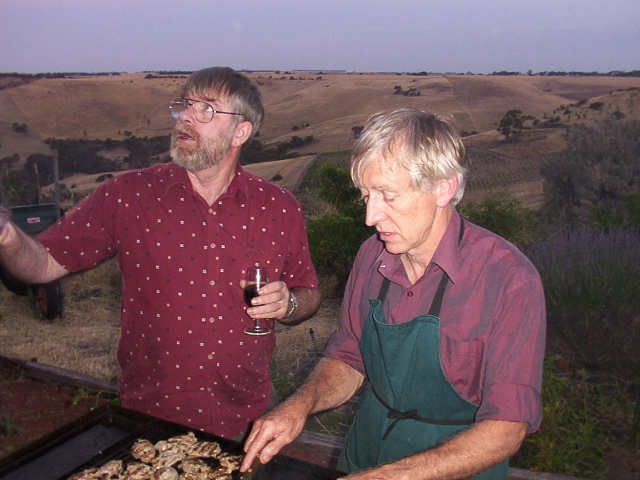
[257,277]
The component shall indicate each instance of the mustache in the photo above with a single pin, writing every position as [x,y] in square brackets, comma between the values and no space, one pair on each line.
[185,130]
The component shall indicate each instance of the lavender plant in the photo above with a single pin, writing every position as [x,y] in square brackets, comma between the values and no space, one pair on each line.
[592,284]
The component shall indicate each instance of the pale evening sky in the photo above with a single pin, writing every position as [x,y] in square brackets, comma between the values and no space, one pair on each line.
[478,36]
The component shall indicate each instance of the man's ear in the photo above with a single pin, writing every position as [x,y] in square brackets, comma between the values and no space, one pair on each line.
[446,190]
[242,133]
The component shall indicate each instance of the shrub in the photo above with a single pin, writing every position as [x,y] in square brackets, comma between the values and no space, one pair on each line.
[334,239]
[626,215]
[503,214]
[591,280]
[19,127]
[594,176]
[104,177]
[571,440]
[511,123]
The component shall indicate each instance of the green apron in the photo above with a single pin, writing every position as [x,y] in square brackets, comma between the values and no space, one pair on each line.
[408,405]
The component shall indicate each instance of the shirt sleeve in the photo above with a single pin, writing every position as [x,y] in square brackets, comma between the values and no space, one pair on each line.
[512,385]
[81,239]
[298,268]
[344,344]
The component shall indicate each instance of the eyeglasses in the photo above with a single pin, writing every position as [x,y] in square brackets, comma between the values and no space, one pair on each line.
[203,111]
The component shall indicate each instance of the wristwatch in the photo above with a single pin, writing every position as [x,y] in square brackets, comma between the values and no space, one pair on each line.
[293,305]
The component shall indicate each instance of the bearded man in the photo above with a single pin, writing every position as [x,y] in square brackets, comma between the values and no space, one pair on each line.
[184,233]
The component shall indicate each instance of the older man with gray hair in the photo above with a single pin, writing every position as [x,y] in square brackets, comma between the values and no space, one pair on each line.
[443,321]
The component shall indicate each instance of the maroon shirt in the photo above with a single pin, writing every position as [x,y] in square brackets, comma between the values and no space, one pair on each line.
[492,320]
[183,353]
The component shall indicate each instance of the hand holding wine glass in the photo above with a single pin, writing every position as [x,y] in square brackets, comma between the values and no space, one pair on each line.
[256,278]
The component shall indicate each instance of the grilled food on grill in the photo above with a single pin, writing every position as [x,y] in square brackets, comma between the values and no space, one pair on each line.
[182,457]
[143,450]
[167,458]
[177,444]
[195,465]
[204,449]
[165,473]
[88,474]
[138,471]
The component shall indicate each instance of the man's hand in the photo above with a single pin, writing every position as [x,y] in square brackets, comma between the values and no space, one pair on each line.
[5,215]
[273,431]
[331,383]
[272,303]
[24,256]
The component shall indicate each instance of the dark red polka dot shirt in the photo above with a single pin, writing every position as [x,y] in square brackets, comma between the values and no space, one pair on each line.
[183,353]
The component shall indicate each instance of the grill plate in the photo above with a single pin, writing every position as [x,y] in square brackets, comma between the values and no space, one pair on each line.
[108,433]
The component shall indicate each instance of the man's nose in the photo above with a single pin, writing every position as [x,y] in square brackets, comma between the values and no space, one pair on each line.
[187,115]
[373,212]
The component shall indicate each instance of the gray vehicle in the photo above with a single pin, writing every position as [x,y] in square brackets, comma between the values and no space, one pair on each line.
[46,299]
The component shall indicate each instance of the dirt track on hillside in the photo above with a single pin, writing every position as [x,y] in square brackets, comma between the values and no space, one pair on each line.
[291,170]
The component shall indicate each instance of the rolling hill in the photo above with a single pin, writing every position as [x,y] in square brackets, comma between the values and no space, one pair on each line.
[325,106]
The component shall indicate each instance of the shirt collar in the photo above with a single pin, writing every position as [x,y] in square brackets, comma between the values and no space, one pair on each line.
[178,176]
[239,182]
[446,255]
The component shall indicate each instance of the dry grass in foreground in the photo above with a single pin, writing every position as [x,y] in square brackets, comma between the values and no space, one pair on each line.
[85,339]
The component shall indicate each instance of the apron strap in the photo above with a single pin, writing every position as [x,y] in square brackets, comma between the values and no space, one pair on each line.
[436,304]
[384,288]
[412,414]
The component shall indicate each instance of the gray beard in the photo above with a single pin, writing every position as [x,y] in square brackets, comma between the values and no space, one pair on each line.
[208,152]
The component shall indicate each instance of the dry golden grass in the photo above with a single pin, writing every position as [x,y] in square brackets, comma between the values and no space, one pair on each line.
[337,102]
[85,339]
[330,104]
[97,107]
[284,173]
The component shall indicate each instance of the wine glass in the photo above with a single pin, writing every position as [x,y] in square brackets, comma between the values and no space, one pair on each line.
[257,277]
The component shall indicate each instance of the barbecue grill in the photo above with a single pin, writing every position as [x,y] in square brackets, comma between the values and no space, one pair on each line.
[108,433]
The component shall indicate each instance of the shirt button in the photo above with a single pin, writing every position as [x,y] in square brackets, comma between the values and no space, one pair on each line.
[409,294]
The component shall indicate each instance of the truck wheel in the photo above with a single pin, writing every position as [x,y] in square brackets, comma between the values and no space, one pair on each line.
[50,300]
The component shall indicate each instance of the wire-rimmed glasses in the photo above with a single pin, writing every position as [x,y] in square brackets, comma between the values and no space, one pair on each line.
[203,111]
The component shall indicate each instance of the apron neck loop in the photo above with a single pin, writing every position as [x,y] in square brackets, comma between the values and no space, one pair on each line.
[436,304]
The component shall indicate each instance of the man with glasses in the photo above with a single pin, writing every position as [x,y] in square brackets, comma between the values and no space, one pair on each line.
[184,234]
